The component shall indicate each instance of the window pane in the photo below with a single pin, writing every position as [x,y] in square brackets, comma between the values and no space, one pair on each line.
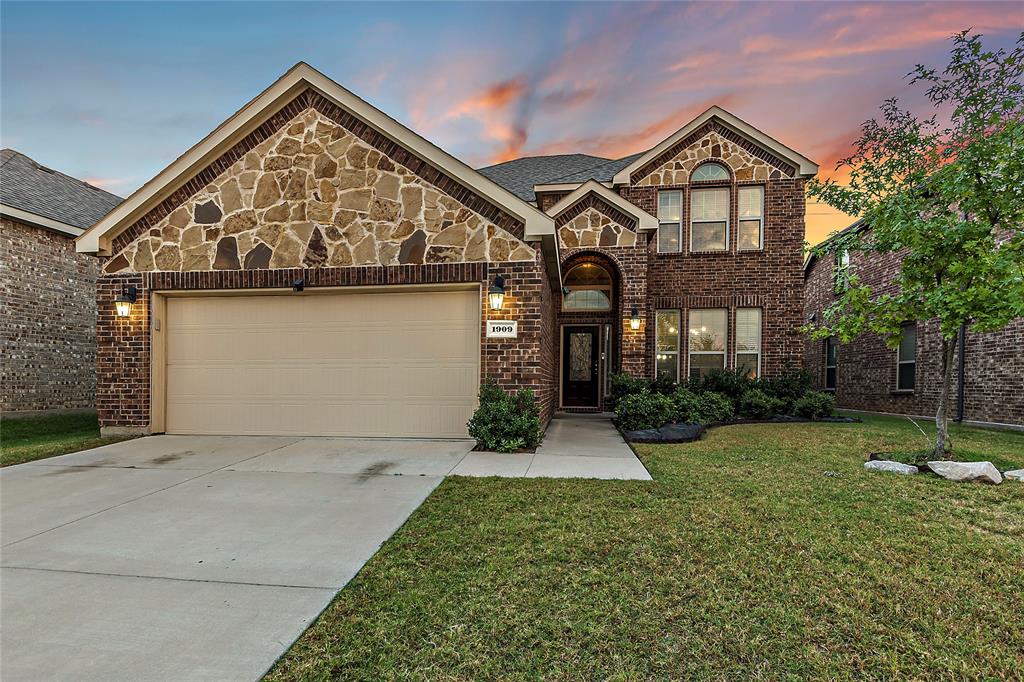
[751,202]
[587,274]
[708,237]
[670,206]
[668,363]
[707,330]
[667,337]
[748,330]
[701,365]
[710,171]
[830,377]
[747,364]
[905,378]
[709,204]
[586,299]
[668,238]
[908,343]
[750,234]
[831,351]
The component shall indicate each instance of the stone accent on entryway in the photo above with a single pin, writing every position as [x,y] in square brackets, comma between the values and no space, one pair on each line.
[575,446]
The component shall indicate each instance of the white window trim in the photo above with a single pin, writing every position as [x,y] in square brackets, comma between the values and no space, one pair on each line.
[728,211]
[906,362]
[678,223]
[676,352]
[760,340]
[759,219]
[725,341]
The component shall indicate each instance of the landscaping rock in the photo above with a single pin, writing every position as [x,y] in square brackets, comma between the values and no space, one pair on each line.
[670,433]
[1015,475]
[983,472]
[889,465]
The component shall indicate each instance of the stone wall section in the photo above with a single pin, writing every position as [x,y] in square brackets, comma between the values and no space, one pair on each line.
[866,367]
[314,194]
[593,228]
[47,320]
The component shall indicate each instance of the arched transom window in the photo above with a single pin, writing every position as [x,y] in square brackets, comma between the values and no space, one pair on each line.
[590,288]
[711,171]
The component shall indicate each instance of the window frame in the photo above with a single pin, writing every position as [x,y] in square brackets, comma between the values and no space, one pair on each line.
[760,218]
[834,342]
[678,223]
[900,362]
[842,271]
[725,339]
[607,289]
[760,340]
[711,187]
[707,164]
[678,351]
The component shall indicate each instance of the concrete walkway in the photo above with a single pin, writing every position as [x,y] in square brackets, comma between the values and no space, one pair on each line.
[575,446]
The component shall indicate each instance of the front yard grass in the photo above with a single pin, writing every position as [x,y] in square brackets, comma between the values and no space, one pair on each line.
[763,551]
[26,439]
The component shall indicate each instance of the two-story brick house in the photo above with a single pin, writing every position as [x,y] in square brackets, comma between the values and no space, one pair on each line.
[314,267]
[865,374]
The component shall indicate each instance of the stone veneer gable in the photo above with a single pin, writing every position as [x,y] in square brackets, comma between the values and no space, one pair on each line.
[315,194]
[594,228]
[712,143]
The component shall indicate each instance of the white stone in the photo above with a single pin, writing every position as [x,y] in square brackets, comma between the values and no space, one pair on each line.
[894,467]
[1015,475]
[967,471]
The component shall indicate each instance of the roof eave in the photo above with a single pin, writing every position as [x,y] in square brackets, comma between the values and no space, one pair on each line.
[644,220]
[36,220]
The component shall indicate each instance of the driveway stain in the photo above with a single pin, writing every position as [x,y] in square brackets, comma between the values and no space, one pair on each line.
[375,469]
[171,457]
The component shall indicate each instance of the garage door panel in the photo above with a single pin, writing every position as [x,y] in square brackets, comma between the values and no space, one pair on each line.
[346,364]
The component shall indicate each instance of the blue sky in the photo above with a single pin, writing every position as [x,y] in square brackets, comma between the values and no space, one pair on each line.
[113,92]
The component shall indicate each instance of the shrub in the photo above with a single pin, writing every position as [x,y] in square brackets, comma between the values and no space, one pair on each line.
[756,404]
[729,383]
[644,411]
[814,405]
[505,422]
[685,405]
[664,384]
[713,407]
[622,384]
[792,385]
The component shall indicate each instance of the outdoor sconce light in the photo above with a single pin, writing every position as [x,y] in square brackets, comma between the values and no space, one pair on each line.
[298,285]
[123,303]
[496,294]
[634,318]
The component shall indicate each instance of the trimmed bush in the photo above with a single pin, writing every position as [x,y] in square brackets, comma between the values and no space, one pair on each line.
[713,407]
[505,422]
[729,383]
[663,384]
[644,411]
[622,384]
[756,404]
[790,387]
[685,404]
[814,405]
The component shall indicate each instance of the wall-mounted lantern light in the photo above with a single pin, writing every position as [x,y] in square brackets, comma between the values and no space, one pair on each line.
[298,285]
[634,318]
[123,303]
[496,294]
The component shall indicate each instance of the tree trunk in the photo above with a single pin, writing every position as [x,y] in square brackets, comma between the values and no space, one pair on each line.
[942,445]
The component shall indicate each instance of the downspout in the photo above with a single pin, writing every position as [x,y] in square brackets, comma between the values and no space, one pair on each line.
[960,374]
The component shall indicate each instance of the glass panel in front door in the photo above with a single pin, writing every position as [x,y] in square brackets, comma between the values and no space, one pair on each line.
[580,354]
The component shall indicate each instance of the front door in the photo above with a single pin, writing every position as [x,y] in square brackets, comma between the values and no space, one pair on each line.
[580,366]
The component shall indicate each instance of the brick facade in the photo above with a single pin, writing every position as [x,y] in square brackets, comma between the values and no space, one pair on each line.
[866,367]
[47,324]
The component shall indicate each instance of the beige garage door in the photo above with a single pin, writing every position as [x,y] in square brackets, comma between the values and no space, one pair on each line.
[354,364]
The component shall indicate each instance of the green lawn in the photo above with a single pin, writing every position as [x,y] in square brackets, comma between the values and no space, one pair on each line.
[763,551]
[26,439]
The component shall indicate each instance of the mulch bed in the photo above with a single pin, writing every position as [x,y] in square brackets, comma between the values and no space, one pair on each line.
[687,433]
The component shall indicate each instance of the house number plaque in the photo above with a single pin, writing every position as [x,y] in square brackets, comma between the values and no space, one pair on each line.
[502,329]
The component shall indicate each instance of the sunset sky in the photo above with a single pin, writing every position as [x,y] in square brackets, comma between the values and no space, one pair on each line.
[113,92]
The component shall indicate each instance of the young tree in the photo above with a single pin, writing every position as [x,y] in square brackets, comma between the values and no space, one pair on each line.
[949,197]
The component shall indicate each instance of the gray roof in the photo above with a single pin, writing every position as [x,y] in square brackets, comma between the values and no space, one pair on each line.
[520,175]
[32,187]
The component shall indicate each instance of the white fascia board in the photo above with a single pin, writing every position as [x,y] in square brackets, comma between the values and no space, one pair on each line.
[563,186]
[39,220]
[644,220]
[97,239]
[805,166]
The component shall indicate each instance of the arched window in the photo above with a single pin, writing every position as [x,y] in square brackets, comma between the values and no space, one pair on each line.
[711,171]
[590,288]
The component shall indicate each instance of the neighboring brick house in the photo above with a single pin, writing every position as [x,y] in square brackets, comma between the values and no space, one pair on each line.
[313,267]
[868,375]
[48,308]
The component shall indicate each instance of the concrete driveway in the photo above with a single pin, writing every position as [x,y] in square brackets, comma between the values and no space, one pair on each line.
[193,557]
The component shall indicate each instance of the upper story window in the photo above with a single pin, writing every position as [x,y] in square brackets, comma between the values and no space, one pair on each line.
[590,288]
[670,221]
[709,219]
[906,359]
[842,273]
[710,171]
[751,217]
